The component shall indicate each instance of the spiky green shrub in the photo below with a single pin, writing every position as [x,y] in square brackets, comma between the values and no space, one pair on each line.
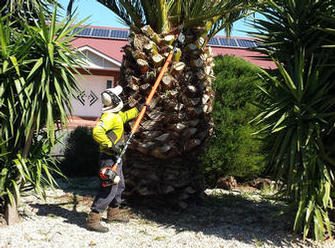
[299,108]
[37,82]
[233,150]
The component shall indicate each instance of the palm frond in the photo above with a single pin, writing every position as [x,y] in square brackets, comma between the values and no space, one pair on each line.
[130,12]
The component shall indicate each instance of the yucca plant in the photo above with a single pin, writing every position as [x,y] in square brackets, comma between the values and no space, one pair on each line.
[37,83]
[163,156]
[299,108]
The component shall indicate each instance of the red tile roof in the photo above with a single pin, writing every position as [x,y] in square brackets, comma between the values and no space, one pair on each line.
[252,56]
[111,48]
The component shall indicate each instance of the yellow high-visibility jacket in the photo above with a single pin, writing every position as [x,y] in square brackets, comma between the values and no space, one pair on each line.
[109,130]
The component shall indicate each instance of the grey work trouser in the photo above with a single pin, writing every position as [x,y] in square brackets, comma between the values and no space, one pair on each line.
[111,195]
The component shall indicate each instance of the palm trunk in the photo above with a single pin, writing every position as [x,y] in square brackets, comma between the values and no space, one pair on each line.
[164,154]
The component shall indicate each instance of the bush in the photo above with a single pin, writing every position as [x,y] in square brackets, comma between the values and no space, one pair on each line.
[81,154]
[233,150]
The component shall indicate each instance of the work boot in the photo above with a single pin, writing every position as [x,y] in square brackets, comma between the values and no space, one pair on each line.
[93,223]
[115,214]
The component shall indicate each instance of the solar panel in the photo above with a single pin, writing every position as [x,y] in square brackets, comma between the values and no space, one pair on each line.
[119,34]
[100,32]
[123,35]
[84,32]
[213,42]
[246,43]
[228,42]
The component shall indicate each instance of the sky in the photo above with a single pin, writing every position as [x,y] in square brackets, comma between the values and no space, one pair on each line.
[102,16]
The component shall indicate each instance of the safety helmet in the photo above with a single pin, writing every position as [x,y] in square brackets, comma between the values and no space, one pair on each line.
[111,100]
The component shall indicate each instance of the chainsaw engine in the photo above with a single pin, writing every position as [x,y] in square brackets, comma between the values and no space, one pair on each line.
[109,176]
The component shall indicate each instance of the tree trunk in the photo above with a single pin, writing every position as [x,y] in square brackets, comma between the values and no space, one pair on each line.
[172,181]
[11,211]
[163,158]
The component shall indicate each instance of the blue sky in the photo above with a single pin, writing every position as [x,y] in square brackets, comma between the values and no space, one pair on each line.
[102,16]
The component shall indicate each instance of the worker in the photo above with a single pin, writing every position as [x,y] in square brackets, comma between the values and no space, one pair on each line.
[109,133]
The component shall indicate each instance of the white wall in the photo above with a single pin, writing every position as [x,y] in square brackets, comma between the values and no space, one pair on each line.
[89,103]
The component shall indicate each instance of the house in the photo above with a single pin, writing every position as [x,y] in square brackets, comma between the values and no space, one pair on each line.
[103,49]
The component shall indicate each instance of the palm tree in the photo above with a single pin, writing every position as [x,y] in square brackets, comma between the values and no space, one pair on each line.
[163,156]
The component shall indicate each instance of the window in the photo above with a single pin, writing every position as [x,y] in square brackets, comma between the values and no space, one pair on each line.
[109,84]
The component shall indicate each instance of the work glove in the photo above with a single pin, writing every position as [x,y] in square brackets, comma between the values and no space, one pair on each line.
[116,149]
[112,149]
[119,145]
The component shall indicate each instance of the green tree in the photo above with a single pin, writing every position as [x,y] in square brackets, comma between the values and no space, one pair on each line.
[163,155]
[298,110]
[234,150]
[37,83]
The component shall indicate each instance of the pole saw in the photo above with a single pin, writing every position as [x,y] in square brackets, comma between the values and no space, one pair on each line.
[109,174]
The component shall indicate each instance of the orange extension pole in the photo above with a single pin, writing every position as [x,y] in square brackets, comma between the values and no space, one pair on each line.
[152,92]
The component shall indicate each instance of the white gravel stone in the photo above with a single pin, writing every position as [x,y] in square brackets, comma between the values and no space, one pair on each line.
[56,224]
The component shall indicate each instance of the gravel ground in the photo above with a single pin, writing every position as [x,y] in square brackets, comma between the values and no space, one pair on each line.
[221,220]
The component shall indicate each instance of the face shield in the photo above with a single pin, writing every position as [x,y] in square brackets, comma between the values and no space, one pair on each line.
[111,100]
